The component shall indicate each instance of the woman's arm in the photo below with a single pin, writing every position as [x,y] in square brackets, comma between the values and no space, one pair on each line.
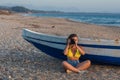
[80,49]
[67,47]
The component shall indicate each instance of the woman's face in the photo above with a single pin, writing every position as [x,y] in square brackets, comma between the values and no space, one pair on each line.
[75,39]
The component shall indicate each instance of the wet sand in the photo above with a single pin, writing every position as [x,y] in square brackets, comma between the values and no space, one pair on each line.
[19,60]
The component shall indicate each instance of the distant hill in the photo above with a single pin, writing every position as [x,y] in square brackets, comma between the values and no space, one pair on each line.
[20,9]
[4,8]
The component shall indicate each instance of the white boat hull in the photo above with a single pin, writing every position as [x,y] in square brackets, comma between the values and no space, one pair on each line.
[98,51]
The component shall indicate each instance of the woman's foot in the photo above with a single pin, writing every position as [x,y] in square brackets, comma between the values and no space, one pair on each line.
[68,71]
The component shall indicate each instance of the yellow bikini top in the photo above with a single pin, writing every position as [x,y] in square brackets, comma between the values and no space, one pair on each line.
[70,54]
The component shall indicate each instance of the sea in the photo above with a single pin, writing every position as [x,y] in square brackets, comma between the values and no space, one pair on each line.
[106,19]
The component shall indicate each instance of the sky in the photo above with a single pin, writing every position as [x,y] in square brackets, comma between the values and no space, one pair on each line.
[111,6]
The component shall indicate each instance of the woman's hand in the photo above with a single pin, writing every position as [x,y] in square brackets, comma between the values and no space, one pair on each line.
[76,43]
[68,41]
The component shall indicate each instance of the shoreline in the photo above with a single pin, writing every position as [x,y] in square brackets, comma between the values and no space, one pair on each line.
[20,60]
[103,22]
[101,33]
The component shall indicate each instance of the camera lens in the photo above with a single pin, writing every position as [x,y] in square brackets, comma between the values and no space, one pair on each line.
[72,41]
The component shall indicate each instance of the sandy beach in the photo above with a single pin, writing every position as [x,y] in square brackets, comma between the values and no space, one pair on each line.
[19,60]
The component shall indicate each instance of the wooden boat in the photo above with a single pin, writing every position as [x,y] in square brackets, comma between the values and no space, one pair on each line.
[99,51]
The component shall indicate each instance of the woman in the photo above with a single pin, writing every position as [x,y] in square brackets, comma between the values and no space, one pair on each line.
[73,52]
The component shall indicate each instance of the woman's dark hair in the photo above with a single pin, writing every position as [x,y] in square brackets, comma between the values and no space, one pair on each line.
[72,35]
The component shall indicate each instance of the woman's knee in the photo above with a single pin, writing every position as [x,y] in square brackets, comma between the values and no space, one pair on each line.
[88,62]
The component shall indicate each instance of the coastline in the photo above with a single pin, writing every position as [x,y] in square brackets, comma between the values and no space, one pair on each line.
[20,60]
[84,30]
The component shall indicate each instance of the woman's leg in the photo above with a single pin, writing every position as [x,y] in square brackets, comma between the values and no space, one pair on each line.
[68,66]
[84,65]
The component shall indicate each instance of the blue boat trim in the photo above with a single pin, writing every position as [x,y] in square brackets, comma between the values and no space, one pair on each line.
[84,45]
[58,53]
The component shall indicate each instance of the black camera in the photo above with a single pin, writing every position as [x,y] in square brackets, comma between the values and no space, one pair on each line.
[72,41]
